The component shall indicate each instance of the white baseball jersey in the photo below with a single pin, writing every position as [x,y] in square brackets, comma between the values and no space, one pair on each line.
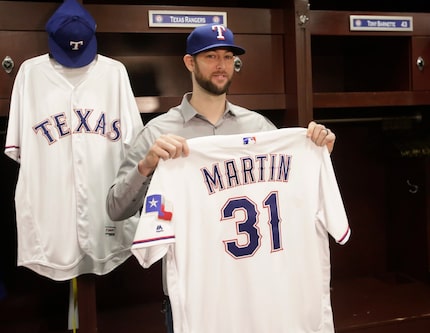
[243,225]
[69,130]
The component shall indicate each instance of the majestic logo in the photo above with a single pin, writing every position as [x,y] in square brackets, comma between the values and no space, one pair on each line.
[159,228]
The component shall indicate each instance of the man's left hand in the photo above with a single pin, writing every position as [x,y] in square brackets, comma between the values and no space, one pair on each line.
[321,135]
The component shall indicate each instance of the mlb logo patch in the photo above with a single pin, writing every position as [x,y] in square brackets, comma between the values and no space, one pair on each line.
[249,140]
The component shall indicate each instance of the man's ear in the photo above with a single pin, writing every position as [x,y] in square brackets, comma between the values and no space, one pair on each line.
[189,62]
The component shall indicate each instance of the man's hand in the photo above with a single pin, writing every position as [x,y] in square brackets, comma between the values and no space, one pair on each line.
[165,147]
[321,135]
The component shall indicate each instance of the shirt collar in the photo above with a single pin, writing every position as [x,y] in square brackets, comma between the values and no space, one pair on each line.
[188,112]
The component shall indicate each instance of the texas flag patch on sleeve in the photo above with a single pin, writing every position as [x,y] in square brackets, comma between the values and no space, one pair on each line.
[156,203]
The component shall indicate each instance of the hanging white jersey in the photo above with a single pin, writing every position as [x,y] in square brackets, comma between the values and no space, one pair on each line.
[69,133]
[243,225]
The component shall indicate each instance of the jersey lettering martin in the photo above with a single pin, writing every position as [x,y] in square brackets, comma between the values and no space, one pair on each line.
[246,170]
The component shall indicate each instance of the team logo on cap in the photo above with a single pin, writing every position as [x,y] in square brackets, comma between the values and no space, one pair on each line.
[76,45]
[220,29]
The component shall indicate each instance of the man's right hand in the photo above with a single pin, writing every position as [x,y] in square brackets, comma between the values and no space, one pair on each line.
[165,147]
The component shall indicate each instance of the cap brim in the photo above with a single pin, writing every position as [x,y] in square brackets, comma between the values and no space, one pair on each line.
[237,50]
[68,59]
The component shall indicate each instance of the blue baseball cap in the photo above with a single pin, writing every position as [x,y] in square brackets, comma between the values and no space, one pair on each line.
[211,36]
[72,40]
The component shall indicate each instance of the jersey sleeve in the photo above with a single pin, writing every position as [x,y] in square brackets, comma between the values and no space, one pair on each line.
[13,136]
[155,232]
[332,212]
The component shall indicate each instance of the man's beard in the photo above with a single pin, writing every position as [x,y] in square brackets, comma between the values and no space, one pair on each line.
[209,86]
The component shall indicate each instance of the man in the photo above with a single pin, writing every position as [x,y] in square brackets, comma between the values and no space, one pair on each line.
[205,111]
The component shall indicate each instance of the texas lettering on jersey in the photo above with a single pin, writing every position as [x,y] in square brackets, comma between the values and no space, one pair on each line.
[58,126]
